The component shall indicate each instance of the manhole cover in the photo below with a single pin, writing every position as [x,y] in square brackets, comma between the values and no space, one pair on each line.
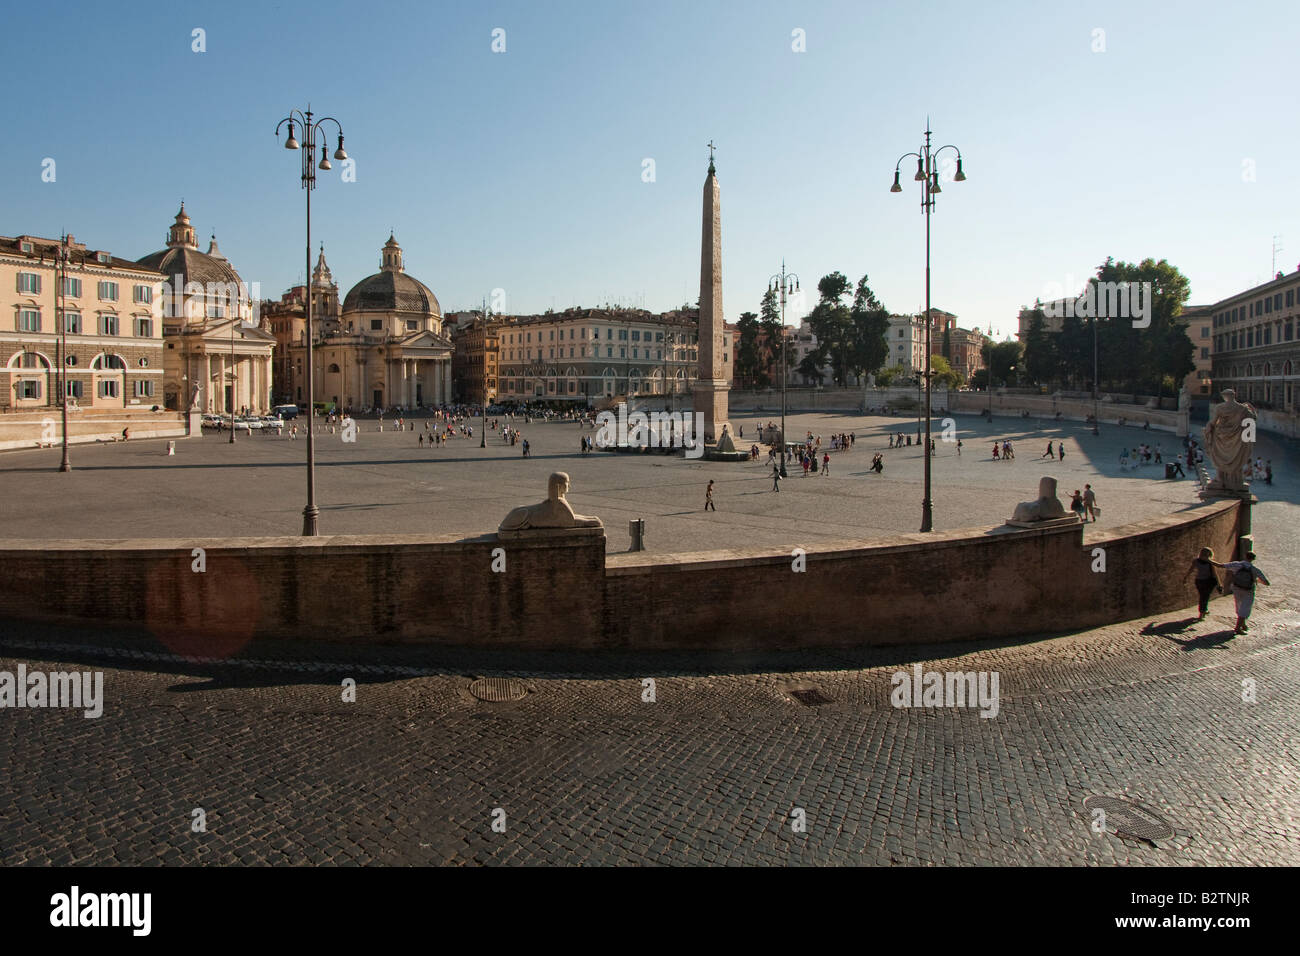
[810,697]
[1126,818]
[498,689]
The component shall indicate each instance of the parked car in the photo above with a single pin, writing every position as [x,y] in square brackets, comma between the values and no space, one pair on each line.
[285,412]
[211,421]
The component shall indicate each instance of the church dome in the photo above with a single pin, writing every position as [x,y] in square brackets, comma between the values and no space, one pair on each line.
[391,289]
[182,257]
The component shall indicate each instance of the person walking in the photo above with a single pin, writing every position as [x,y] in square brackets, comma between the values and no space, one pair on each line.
[776,477]
[1060,451]
[1076,503]
[1090,504]
[1206,580]
[826,464]
[1048,454]
[708,498]
[958,447]
[1243,575]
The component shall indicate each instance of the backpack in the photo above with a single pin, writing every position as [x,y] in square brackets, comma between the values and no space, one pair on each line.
[1244,578]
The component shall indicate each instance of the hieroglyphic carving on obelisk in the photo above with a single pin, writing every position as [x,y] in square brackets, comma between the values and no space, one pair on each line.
[711,386]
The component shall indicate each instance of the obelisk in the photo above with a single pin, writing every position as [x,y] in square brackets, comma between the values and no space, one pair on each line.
[711,385]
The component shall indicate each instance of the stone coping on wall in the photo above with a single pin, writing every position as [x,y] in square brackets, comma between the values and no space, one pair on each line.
[624,563]
[643,561]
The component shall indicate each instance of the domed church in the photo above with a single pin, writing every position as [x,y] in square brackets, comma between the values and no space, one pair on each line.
[389,349]
[215,357]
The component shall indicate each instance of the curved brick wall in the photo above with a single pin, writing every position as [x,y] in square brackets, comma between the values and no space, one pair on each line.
[564,592]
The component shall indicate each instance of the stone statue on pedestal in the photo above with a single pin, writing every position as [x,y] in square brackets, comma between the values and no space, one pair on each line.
[194,399]
[1045,508]
[1226,444]
[553,514]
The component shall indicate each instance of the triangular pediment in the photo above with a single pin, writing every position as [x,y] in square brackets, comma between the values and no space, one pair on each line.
[424,339]
[217,331]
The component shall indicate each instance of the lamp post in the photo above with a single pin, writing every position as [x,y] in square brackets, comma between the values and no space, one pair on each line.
[312,133]
[483,431]
[62,259]
[234,380]
[1096,408]
[786,283]
[927,173]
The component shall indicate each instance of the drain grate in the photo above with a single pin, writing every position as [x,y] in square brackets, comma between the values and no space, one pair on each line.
[1128,819]
[498,690]
[810,697]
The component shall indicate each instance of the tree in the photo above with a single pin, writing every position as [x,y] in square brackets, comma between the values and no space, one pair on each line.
[747,353]
[1142,357]
[943,374]
[979,379]
[770,325]
[1042,359]
[870,320]
[832,323]
[885,376]
[1000,358]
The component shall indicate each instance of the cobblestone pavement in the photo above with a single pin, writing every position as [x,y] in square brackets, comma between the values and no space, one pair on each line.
[583,770]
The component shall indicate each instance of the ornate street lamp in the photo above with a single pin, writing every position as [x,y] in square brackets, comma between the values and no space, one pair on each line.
[62,259]
[927,174]
[786,283]
[312,134]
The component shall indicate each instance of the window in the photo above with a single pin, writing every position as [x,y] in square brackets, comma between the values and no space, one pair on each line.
[70,361]
[108,388]
[144,362]
[142,389]
[1277,301]
[636,335]
[103,257]
[25,247]
[412,325]
[31,360]
[1268,335]
[72,322]
[142,293]
[609,351]
[634,353]
[72,286]
[108,361]
[552,335]
[1205,353]
[29,282]
[107,323]
[376,325]
[29,320]
[1205,332]
[144,328]
[28,388]
[1288,331]
[74,388]
[622,335]
[1290,298]
[622,352]
[108,291]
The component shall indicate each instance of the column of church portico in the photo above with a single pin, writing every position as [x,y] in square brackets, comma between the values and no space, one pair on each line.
[435,395]
[446,381]
[207,383]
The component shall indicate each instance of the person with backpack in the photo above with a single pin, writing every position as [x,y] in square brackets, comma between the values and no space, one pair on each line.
[1206,580]
[1243,575]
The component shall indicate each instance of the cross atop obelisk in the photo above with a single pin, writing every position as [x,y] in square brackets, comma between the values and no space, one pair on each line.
[711,385]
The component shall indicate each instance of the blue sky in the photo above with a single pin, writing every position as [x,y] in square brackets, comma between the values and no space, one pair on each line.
[522,170]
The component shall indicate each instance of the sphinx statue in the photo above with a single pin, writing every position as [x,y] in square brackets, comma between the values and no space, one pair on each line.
[1044,508]
[1225,444]
[553,514]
